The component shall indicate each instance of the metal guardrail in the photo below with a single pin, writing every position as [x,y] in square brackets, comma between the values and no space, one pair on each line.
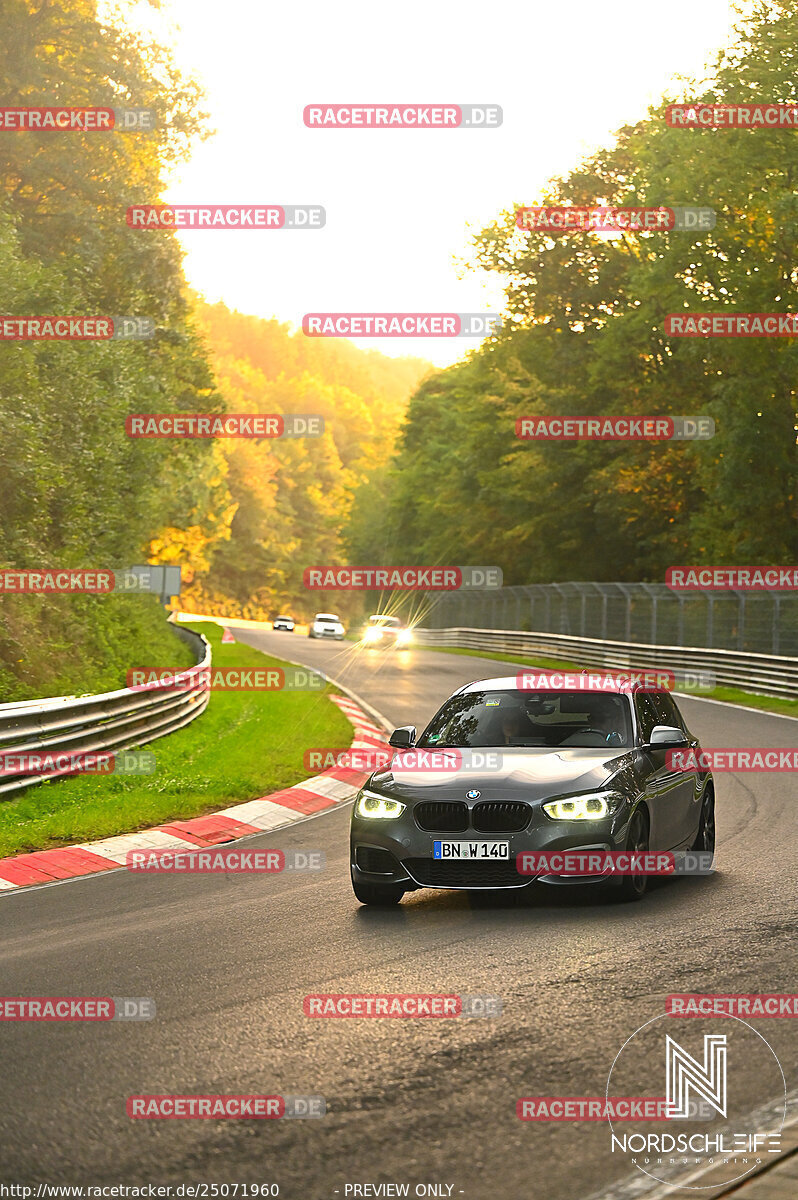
[107,722]
[769,674]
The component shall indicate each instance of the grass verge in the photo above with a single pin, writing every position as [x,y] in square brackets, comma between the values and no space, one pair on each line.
[245,744]
[79,645]
[774,704]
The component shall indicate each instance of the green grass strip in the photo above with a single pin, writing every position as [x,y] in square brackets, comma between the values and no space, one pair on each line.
[774,704]
[246,744]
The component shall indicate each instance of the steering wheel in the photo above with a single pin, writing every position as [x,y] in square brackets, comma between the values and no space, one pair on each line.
[613,738]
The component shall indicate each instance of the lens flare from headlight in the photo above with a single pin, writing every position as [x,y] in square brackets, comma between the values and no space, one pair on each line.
[372,634]
[404,637]
[370,805]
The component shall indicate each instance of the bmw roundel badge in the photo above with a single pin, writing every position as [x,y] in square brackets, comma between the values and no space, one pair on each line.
[473,795]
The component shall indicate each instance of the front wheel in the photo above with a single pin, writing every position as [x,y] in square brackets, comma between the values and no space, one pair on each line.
[383,895]
[633,886]
[705,838]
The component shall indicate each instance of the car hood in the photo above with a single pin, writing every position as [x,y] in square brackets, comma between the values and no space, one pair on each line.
[528,775]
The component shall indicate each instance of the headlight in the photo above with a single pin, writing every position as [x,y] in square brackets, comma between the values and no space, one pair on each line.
[370,805]
[584,808]
[373,634]
[404,637]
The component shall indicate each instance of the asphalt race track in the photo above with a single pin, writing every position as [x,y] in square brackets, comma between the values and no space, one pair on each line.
[228,960]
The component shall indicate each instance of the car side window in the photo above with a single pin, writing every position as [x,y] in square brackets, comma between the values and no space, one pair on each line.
[647,716]
[668,712]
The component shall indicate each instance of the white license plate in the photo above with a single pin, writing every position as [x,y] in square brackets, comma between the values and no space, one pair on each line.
[470,850]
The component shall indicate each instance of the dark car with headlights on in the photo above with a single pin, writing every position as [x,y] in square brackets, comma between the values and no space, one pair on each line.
[541,770]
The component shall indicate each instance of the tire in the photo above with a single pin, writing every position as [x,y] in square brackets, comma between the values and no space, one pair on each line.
[705,838]
[383,895]
[633,887]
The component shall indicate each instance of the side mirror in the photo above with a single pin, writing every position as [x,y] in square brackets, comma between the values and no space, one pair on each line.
[403,738]
[666,737]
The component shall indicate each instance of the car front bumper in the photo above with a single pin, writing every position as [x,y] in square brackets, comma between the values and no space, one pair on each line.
[398,851]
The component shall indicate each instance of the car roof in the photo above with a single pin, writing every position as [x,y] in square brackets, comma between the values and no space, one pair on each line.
[331,616]
[387,620]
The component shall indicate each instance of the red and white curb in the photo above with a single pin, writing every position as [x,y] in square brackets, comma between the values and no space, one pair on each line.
[324,791]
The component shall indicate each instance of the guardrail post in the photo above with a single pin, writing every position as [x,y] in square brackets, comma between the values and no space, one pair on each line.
[680,634]
[624,590]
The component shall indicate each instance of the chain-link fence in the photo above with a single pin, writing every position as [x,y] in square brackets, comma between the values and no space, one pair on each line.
[759,622]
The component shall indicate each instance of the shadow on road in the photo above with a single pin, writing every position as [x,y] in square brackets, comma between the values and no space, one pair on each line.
[530,903]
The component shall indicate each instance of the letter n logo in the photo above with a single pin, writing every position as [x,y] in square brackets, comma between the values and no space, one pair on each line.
[684,1073]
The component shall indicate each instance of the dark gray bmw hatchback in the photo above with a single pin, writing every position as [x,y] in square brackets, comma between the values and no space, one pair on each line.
[500,771]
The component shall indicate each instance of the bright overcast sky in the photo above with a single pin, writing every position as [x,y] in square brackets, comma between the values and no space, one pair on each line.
[401,203]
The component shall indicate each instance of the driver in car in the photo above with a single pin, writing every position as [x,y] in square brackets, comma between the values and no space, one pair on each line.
[605,721]
[513,723]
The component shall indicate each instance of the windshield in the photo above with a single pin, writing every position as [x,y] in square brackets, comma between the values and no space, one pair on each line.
[516,718]
[392,621]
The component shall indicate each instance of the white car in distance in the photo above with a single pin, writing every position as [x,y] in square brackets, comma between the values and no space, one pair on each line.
[326,625]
